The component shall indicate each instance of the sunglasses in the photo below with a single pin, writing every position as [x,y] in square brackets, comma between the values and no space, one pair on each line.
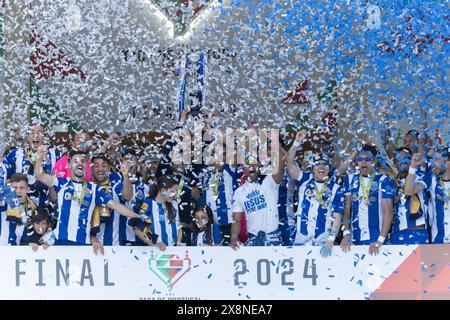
[366,159]
[321,163]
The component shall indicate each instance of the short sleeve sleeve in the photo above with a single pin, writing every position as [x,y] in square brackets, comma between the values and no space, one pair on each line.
[237,201]
[338,201]
[387,189]
[303,177]
[101,196]
[58,182]
[270,183]
[424,179]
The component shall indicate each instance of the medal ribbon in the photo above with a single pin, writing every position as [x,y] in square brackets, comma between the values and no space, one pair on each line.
[319,193]
[83,193]
[366,189]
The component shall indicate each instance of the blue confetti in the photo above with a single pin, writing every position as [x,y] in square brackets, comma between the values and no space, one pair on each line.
[209,275]
[136,257]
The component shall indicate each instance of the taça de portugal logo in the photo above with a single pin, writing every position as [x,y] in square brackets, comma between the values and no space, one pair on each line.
[169,267]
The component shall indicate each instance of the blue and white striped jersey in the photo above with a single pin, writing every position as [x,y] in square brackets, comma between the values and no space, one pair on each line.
[19,160]
[219,191]
[409,211]
[140,192]
[317,203]
[439,209]
[76,202]
[160,225]
[109,234]
[367,212]
[10,233]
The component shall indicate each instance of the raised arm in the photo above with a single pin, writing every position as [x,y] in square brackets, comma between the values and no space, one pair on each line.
[281,161]
[411,188]
[235,229]
[386,137]
[292,167]
[127,192]
[342,170]
[39,172]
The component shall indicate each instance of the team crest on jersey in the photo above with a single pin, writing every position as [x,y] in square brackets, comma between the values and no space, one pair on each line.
[169,268]
[68,196]
[140,195]
[308,193]
[374,187]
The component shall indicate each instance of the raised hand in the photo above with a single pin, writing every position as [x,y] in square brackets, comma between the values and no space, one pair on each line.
[42,152]
[301,136]
[416,159]
[124,167]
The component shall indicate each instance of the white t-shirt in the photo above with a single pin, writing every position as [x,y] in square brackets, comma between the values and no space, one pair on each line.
[260,204]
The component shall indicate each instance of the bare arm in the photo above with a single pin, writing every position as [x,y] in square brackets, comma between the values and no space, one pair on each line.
[346,240]
[279,174]
[121,209]
[411,188]
[141,235]
[342,170]
[39,172]
[127,192]
[387,206]
[235,229]
[388,144]
[195,193]
[336,223]
[292,167]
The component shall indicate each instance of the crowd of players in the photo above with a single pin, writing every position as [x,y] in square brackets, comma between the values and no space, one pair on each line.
[101,194]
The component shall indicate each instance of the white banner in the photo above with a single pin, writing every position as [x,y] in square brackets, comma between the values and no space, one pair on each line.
[212,273]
